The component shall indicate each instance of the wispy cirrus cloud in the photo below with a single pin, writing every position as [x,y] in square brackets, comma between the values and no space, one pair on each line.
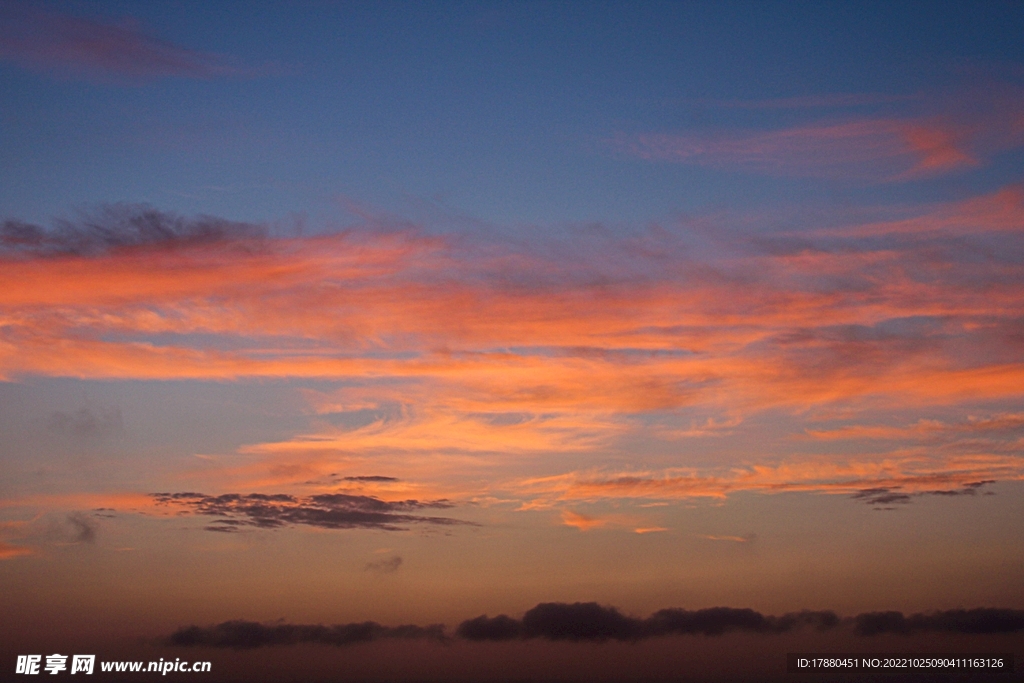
[876,481]
[874,148]
[1002,425]
[74,45]
[881,148]
[121,226]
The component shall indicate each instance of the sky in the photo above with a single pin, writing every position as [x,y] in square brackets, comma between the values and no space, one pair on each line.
[511,340]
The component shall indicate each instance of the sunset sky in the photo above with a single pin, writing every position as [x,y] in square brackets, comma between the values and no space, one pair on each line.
[317,314]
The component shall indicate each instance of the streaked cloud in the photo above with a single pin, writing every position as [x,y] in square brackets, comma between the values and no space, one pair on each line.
[883,149]
[455,366]
[327,511]
[874,148]
[12,530]
[8,551]
[121,226]
[582,522]
[749,538]
[96,48]
[880,480]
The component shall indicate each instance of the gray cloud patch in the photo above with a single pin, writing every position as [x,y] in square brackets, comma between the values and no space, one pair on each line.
[115,226]
[86,423]
[84,529]
[386,566]
[893,495]
[881,496]
[245,635]
[327,511]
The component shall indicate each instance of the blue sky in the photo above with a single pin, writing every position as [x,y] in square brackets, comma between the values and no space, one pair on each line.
[502,112]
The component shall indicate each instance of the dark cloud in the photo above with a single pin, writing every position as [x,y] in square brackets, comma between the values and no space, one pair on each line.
[501,627]
[578,621]
[118,226]
[974,621]
[889,496]
[589,621]
[334,479]
[970,489]
[86,423]
[386,566]
[78,45]
[244,635]
[881,496]
[592,622]
[715,621]
[327,511]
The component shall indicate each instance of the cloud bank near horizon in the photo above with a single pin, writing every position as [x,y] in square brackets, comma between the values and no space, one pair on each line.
[592,622]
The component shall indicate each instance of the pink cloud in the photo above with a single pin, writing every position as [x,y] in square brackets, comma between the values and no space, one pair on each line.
[883,148]
[938,149]
[77,45]
[962,131]
[829,101]
[1001,211]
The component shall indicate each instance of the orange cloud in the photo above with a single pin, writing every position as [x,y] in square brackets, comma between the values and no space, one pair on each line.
[1000,211]
[1007,422]
[8,551]
[906,474]
[734,539]
[582,522]
[460,366]
[13,529]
